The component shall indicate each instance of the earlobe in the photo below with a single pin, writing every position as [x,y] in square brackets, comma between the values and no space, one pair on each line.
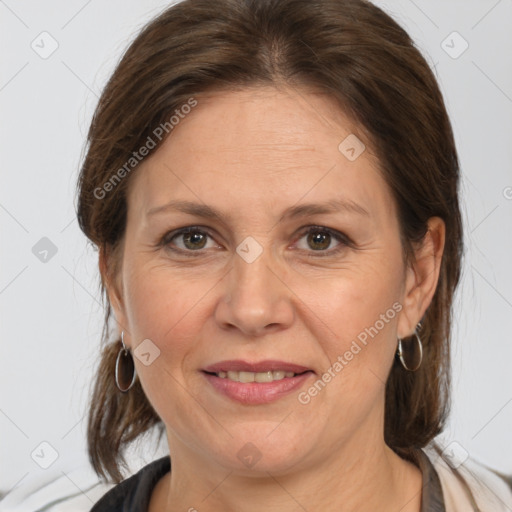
[422,276]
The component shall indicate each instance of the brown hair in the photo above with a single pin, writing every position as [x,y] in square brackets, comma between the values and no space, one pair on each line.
[359,56]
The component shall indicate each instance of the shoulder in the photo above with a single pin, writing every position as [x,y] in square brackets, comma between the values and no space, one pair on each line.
[134,492]
[467,484]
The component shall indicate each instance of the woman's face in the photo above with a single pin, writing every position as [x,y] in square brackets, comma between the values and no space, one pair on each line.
[250,284]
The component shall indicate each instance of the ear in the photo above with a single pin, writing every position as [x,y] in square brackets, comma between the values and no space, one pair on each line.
[421,277]
[110,276]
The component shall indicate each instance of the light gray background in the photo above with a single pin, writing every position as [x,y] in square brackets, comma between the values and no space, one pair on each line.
[51,317]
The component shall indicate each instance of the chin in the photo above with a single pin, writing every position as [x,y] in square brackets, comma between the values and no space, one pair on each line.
[276,452]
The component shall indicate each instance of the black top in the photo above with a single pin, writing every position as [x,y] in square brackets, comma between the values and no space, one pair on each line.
[134,493]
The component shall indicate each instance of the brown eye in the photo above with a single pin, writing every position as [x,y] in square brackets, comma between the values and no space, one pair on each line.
[319,240]
[188,240]
[324,241]
[194,240]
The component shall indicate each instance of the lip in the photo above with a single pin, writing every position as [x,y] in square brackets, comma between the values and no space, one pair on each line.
[254,393]
[239,365]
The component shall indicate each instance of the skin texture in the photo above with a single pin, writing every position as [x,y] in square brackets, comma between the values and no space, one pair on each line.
[251,154]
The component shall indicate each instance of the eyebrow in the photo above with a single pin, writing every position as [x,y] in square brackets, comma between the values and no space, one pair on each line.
[301,210]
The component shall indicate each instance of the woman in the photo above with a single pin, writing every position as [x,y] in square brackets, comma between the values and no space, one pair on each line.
[273,189]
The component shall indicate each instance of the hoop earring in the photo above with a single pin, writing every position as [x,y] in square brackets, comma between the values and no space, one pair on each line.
[411,353]
[125,368]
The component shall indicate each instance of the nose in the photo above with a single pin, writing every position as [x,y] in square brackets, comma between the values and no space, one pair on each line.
[255,300]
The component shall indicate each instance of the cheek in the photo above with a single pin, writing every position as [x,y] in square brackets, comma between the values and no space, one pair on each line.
[160,299]
[355,298]
[359,314]
[167,307]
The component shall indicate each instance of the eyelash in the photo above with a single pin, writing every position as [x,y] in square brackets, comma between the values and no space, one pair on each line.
[344,241]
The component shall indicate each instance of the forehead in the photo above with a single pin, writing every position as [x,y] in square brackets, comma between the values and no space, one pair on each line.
[260,146]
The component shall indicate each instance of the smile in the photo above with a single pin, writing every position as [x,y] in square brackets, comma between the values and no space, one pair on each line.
[268,376]
[256,383]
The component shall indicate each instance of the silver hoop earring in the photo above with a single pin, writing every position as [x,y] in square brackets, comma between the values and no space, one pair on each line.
[411,352]
[125,368]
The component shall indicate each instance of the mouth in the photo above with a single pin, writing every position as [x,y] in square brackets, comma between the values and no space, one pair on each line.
[262,371]
[246,377]
[256,383]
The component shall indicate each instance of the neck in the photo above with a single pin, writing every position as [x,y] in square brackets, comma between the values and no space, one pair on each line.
[362,474]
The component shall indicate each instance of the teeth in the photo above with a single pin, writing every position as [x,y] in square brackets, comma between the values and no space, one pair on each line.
[269,376]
